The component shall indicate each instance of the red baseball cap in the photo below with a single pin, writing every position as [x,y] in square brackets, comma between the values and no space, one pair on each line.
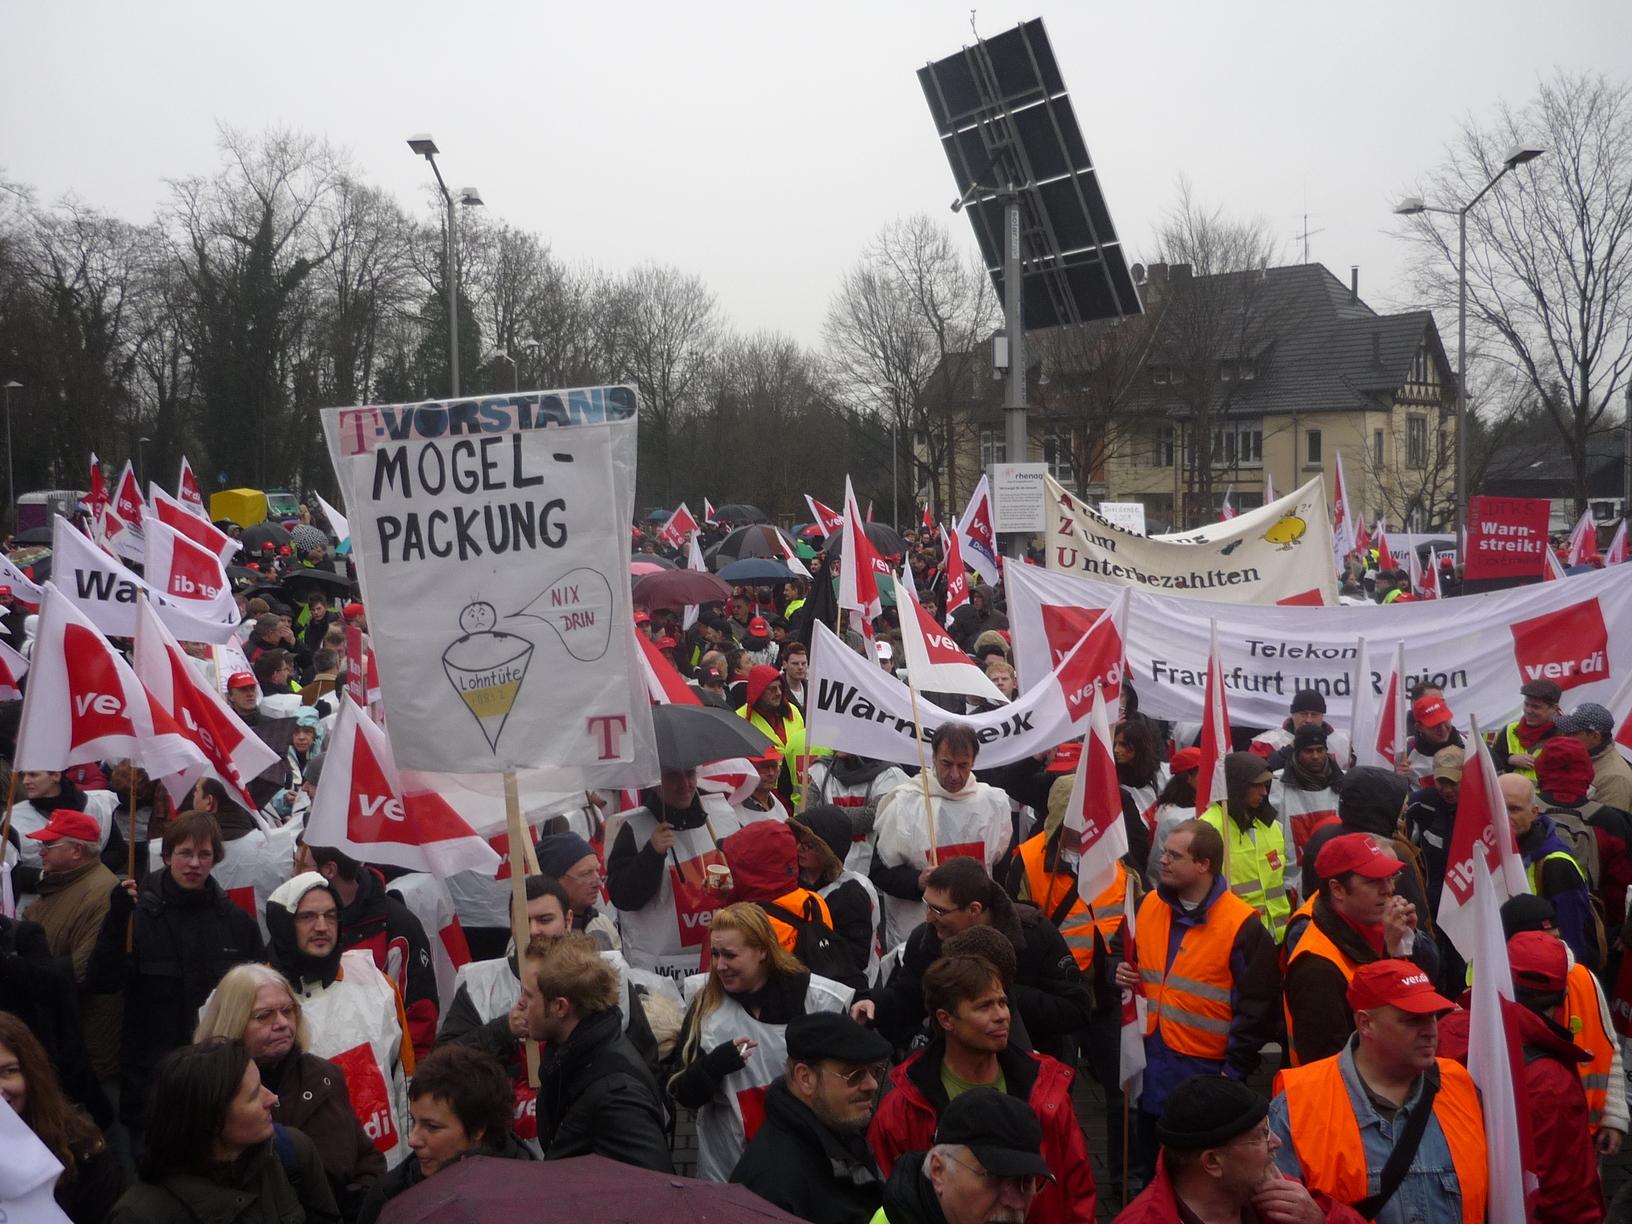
[665,643]
[1066,757]
[1355,852]
[65,822]
[242,680]
[1399,983]
[352,611]
[1185,760]
[1430,710]
[760,626]
[773,753]
[1538,960]
[642,617]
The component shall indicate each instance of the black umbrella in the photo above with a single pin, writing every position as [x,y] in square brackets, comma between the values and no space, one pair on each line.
[737,512]
[308,580]
[882,538]
[756,569]
[756,541]
[261,533]
[34,535]
[689,736]
[677,588]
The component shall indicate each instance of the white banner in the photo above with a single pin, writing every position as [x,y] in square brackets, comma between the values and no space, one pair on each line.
[1280,553]
[491,539]
[187,572]
[855,706]
[105,592]
[1478,648]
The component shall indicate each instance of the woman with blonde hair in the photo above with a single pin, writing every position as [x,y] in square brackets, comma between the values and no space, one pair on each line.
[255,1003]
[733,1041]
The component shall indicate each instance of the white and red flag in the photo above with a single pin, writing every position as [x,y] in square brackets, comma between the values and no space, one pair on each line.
[176,516]
[361,808]
[337,521]
[187,490]
[1344,539]
[187,572]
[663,684]
[85,704]
[1584,540]
[976,533]
[19,585]
[735,778]
[1483,870]
[1131,1075]
[1423,585]
[957,575]
[1620,708]
[680,527]
[1385,559]
[1094,811]
[97,499]
[935,663]
[124,515]
[1379,728]
[790,558]
[826,518]
[105,591]
[1226,512]
[859,564]
[708,512]
[13,667]
[1215,730]
[926,520]
[233,753]
[1616,553]
[1551,568]
[1269,488]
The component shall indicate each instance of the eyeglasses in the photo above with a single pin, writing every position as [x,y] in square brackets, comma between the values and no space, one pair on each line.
[941,911]
[312,918]
[1028,1184]
[858,1077]
[289,1011]
[1258,1138]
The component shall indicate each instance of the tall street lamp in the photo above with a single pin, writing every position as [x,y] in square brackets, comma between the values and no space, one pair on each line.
[11,487]
[1516,156]
[469,196]
[141,468]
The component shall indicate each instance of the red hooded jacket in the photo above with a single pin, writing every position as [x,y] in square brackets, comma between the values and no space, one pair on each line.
[1157,1204]
[906,1120]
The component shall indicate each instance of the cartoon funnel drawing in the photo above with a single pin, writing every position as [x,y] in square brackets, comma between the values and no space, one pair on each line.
[487,667]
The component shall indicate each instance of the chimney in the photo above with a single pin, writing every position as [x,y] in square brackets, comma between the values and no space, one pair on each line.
[1354,281]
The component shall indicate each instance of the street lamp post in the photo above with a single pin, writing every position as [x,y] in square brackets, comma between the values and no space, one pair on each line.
[11,487]
[141,468]
[1410,206]
[469,196]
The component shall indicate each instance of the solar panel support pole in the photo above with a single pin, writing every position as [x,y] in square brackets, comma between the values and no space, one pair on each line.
[1015,445]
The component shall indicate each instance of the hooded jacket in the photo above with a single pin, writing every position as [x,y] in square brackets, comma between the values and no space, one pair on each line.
[286,957]
[968,622]
[796,1163]
[1371,801]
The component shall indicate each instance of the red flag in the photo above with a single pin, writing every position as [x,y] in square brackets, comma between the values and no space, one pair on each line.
[13,667]
[663,683]
[859,563]
[708,512]
[1584,540]
[935,663]
[1385,559]
[679,528]
[957,575]
[1133,999]
[362,809]
[176,516]
[977,534]
[1094,811]
[233,753]
[1215,731]
[187,490]
[927,523]
[825,517]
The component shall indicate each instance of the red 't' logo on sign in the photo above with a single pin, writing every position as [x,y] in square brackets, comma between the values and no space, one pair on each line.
[1569,647]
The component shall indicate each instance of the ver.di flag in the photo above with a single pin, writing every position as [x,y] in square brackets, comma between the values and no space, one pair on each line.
[124,516]
[361,809]
[1344,539]
[23,588]
[825,517]
[1378,727]
[935,663]
[186,572]
[859,564]
[105,592]
[957,575]
[1094,811]
[977,538]
[187,490]
[177,517]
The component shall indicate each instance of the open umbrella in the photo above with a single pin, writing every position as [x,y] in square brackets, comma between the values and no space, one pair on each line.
[882,538]
[581,1190]
[756,569]
[689,736]
[810,533]
[738,512]
[255,536]
[641,568]
[659,516]
[34,535]
[677,588]
[300,583]
[759,540]
[652,559]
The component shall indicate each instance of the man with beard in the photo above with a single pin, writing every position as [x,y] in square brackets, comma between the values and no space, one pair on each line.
[769,711]
[810,1155]
[983,1169]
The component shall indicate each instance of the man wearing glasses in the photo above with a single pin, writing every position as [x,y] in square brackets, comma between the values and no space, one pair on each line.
[810,1155]
[1218,1163]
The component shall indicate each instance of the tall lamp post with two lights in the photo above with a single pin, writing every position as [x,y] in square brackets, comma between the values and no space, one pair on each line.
[470,197]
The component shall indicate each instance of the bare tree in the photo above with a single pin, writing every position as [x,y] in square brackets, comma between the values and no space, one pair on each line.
[1549,266]
[1087,370]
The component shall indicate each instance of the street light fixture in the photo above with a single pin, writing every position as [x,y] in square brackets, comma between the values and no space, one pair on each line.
[1517,155]
[11,488]
[425,147]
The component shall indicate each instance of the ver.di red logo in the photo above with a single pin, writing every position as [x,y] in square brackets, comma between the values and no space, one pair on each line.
[1569,647]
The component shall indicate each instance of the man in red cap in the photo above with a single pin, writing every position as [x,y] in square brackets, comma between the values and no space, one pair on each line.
[1355,919]
[244,696]
[1432,718]
[1341,1119]
[1547,1081]
[758,642]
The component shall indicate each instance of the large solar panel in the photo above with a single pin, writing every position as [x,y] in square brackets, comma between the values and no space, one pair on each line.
[1007,126]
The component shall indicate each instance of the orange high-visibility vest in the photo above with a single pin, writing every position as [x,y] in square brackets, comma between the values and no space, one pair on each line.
[795,902]
[1586,1022]
[1050,888]
[1326,1135]
[1314,942]
[1190,1000]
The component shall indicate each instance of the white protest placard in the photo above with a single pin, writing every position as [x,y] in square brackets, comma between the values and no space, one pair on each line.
[1278,554]
[492,542]
[1019,498]
[1130,516]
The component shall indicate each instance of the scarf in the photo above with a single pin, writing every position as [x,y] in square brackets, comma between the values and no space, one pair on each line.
[1530,736]
[1372,934]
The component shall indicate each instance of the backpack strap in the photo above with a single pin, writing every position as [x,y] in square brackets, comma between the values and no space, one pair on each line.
[285,1148]
[1404,1152]
[797,922]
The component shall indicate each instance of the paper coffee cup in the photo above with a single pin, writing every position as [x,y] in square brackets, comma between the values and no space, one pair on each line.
[719,878]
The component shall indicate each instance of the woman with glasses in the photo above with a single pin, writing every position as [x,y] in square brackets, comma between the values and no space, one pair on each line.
[733,1043]
[256,1004]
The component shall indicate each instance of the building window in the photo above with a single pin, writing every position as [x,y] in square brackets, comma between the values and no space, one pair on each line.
[1158,375]
[1377,448]
[1238,444]
[1161,454]
[1058,448]
[1314,446]
[1416,441]
[993,445]
[1233,370]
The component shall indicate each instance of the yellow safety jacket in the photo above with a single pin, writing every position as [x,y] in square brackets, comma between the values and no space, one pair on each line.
[1257,866]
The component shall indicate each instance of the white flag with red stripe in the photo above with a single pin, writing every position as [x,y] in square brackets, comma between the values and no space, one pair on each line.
[1344,539]
[1584,540]
[85,704]
[1423,585]
[176,516]
[18,585]
[977,535]
[927,524]
[957,575]
[935,663]
[1385,559]
[361,809]
[1131,1075]
[680,527]
[233,753]
[859,564]
[13,667]
[1215,730]
[790,558]
[1226,511]
[825,517]
[1094,812]
[663,684]
[187,490]
[122,517]
[1551,568]
[1378,727]
[1616,553]
[708,512]
[187,572]
[736,779]
[96,499]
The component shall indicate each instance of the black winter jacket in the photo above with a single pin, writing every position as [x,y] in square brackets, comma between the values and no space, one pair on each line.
[799,1165]
[596,1097]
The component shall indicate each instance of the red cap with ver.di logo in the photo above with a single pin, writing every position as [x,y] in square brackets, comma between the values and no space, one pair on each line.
[1398,983]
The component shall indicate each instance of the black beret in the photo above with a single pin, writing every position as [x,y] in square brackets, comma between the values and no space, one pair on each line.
[818,1035]
[1206,1111]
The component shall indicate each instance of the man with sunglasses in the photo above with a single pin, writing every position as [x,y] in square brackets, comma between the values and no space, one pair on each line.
[810,1155]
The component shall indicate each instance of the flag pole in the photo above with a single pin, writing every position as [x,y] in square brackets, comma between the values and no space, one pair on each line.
[923,769]
[130,867]
[1125,1146]
[5,825]
[518,897]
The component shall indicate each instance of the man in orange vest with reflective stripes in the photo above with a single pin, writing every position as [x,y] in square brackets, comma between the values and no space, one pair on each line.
[1341,1118]
[1211,974]
[1355,919]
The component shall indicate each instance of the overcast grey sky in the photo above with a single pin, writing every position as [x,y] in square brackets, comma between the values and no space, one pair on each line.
[761,145]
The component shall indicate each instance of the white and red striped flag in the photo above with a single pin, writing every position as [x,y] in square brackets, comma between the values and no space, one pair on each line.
[1551,568]
[680,527]
[1378,718]
[13,667]
[663,683]
[1215,729]
[1131,1075]
[1616,553]
[1584,540]
[1226,512]
[935,663]
[362,809]
[1385,559]
[957,575]
[926,520]
[1094,811]
[859,564]
[187,490]
[175,515]
[708,512]
[825,517]
[1344,539]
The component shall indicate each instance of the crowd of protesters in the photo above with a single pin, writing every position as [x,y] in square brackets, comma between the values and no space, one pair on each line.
[863,1027]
